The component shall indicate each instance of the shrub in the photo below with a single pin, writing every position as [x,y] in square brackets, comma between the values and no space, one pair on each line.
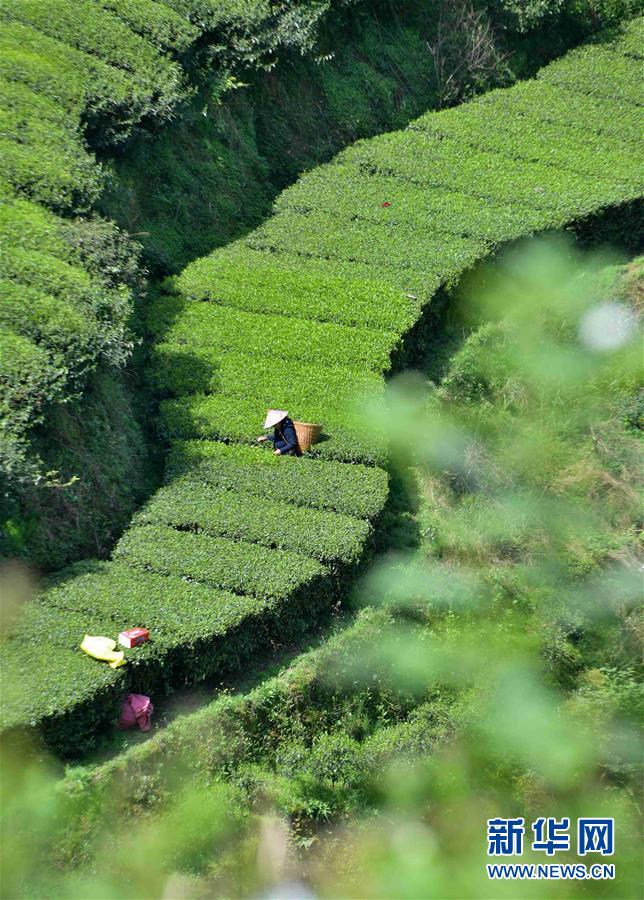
[67,288]
[157,22]
[253,31]
[52,324]
[29,226]
[525,138]
[341,196]
[54,519]
[183,369]
[407,252]
[105,252]
[244,568]
[572,112]
[20,100]
[203,325]
[27,373]
[233,729]
[267,283]
[109,98]
[85,263]
[630,42]
[417,158]
[329,537]
[335,758]
[44,68]
[108,307]
[598,70]
[85,26]
[351,489]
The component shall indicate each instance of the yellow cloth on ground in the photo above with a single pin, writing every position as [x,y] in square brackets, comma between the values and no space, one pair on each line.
[103,648]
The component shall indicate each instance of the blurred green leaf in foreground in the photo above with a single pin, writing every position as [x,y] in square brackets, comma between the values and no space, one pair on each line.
[524,598]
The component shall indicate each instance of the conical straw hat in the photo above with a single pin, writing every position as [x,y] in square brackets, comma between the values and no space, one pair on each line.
[274,417]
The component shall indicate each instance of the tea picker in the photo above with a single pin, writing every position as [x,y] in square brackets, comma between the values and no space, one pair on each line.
[284,437]
[289,438]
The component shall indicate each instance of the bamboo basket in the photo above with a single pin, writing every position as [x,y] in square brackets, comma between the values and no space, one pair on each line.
[308,433]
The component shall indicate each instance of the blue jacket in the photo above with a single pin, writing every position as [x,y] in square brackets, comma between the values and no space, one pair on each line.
[284,438]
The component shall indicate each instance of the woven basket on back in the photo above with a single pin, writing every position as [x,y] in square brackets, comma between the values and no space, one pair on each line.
[308,433]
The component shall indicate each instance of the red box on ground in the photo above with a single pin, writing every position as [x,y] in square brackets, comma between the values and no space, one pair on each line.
[133,637]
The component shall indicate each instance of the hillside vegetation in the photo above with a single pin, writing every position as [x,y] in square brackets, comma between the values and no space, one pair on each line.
[305,313]
[78,83]
[494,667]
[179,120]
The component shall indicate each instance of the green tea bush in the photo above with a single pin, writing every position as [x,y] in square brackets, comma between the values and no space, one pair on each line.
[27,374]
[51,323]
[54,294]
[266,283]
[417,158]
[525,139]
[76,319]
[90,29]
[340,196]
[572,112]
[30,226]
[66,682]
[47,174]
[598,70]
[352,489]
[19,101]
[158,22]
[398,247]
[322,535]
[245,728]
[244,568]
[199,325]
[109,99]
[243,375]
[73,283]
[630,43]
[197,632]
[309,722]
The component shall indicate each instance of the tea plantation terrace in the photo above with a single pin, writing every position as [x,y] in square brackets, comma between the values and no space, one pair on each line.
[80,77]
[241,548]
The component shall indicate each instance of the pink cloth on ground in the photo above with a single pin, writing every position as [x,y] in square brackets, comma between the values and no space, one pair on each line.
[137,709]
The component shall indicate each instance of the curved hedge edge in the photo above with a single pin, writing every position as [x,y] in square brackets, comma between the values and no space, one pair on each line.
[225,723]
[188,660]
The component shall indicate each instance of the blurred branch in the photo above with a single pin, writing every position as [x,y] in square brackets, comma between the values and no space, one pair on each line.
[465,51]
